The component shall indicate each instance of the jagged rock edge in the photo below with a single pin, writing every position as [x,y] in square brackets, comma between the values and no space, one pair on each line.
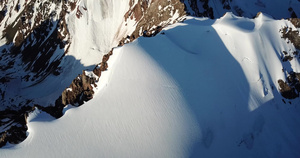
[290,89]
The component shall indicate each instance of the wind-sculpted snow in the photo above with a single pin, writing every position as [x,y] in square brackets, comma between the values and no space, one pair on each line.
[201,88]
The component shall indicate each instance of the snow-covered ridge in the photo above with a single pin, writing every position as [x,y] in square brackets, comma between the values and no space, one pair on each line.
[46,44]
[199,88]
[54,41]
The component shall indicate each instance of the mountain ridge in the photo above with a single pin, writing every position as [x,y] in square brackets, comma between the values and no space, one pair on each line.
[65,54]
[157,99]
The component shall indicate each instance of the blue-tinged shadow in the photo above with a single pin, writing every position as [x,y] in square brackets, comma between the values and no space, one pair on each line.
[215,89]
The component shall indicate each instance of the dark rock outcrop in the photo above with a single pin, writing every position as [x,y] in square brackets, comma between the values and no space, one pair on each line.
[291,88]
[80,90]
[14,125]
[204,11]
[286,90]
[295,22]
[152,16]
[291,35]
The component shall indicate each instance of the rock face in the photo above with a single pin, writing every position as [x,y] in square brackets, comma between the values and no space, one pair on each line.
[287,91]
[199,8]
[151,16]
[291,88]
[291,35]
[295,22]
[34,37]
[81,88]
[14,125]
[46,31]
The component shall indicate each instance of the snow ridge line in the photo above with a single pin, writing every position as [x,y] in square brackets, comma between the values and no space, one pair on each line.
[81,88]
[80,91]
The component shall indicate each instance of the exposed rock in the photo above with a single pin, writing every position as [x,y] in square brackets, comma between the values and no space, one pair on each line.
[81,89]
[153,15]
[34,40]
[226,4]
[291,35]
[72,5]
[153,33]
[2,14]
[291,88]
[258,14]
[286,90]
[204,11]
[97,71]
[287,58]
[3,139]
[78,13]
[295,22]
[14,125]
[292,12]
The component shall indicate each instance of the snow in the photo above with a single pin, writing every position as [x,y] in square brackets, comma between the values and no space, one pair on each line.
[276,8]
[124,126]
[201,89]
[252,52]
[93,34]
[174,17]
[69,89]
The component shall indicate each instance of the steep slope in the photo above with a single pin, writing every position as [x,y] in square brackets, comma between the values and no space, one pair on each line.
[46,44]
[201,88]
[119,121]
[217,8]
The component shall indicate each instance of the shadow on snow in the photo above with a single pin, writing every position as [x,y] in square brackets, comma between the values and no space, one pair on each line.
[217,92]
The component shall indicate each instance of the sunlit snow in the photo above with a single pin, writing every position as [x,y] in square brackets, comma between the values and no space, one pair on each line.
[201,88]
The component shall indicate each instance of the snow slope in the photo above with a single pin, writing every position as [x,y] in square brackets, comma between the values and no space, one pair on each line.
[119,121]
[93,27]
[93,33]
[277,8]
[202,88]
